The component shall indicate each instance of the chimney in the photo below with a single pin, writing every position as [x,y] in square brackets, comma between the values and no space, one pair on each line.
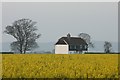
[68,36]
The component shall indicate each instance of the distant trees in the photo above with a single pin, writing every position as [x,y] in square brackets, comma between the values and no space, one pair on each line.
[87,38]
[107,47]
[23,31]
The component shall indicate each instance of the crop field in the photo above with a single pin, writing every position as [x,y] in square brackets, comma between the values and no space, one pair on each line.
[60,66]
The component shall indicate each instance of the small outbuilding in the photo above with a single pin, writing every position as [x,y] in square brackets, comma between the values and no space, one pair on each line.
[69,45]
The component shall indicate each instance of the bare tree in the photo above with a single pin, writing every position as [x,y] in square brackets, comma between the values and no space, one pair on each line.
[87,38]
[107,47]
[23,31]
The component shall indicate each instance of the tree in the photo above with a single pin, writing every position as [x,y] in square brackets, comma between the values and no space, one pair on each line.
[87,38]
[23,31]
[107,47]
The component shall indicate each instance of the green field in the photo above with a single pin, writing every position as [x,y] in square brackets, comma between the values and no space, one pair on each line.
[60,66]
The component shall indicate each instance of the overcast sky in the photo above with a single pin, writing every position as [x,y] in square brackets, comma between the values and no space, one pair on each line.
[56,19]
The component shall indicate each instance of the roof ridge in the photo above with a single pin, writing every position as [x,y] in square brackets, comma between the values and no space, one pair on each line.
[72,40]
[71,37]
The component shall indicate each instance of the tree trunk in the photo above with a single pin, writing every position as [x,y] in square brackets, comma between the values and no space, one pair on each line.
[21,51]
[25,47]
[24,51]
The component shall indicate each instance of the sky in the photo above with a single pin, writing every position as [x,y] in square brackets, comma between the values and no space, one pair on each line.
[56,19]
[60,0]
[0,26]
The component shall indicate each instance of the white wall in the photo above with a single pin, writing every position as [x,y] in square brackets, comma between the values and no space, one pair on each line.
[61,49]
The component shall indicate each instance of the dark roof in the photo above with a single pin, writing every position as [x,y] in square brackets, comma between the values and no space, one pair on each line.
[71,41]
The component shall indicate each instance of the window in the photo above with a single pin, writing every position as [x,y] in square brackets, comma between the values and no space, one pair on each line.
[86,46]
[80,46]
[77,47]
[72,47]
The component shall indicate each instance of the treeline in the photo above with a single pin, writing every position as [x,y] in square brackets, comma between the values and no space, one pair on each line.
[100,53]
[6,52]
[54,53]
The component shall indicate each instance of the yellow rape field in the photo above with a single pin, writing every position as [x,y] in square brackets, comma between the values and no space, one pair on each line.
[60,66]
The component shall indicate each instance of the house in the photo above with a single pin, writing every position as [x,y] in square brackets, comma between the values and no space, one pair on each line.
[69,45]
